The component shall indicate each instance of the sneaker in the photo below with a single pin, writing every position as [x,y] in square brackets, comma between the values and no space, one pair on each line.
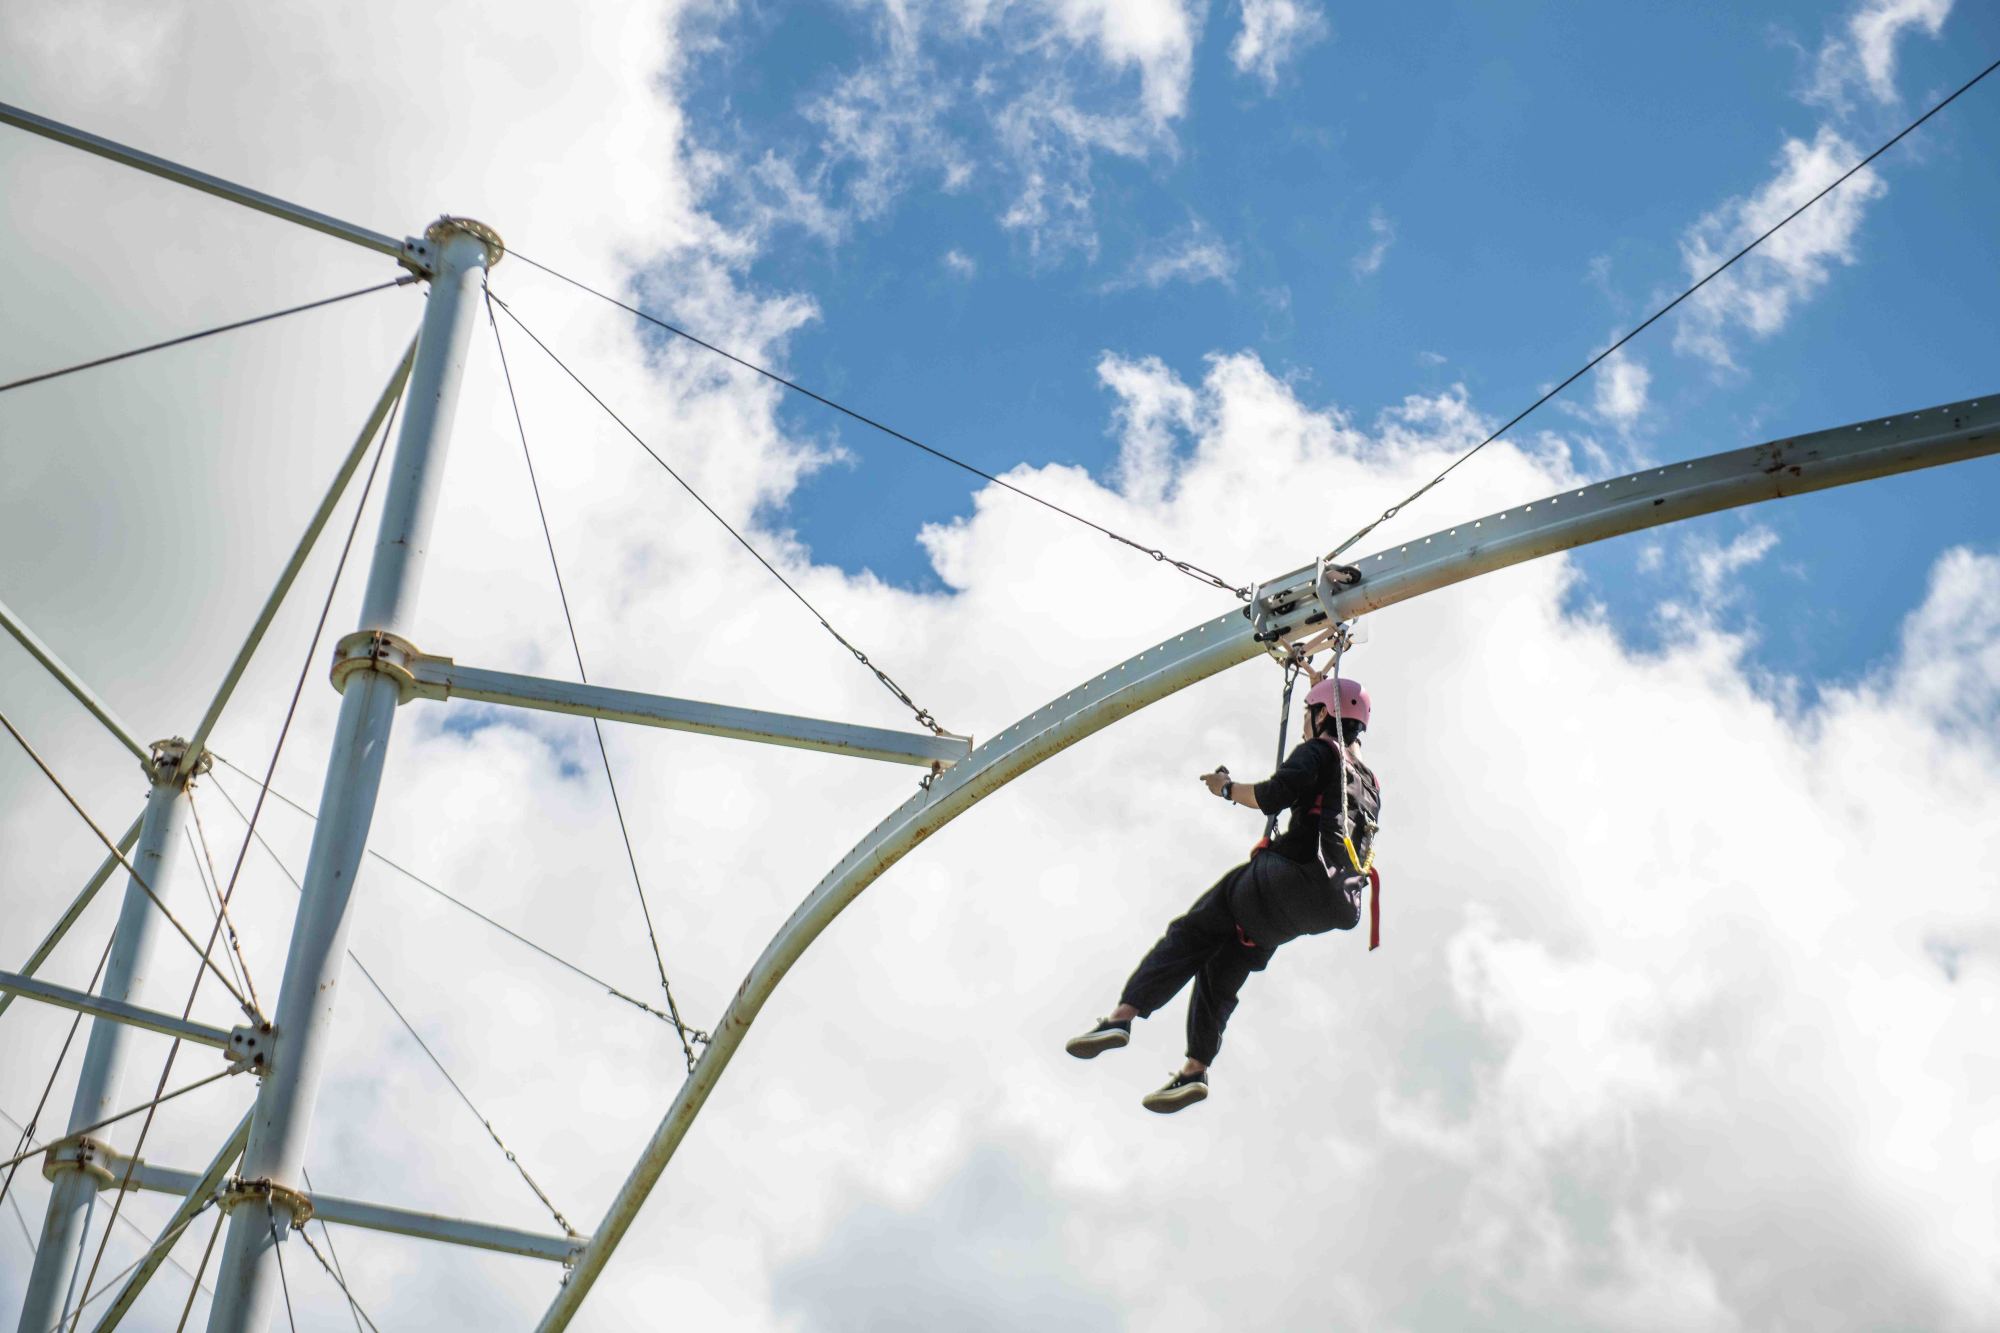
[1181,1090]
[1106,1036]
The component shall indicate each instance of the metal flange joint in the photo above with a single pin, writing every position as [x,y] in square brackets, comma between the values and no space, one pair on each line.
[379,651]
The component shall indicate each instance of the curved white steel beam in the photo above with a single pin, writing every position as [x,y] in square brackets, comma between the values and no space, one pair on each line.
[1291,607]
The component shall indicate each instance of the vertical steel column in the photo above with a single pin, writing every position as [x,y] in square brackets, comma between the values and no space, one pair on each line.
[247,1286]
[75,1177]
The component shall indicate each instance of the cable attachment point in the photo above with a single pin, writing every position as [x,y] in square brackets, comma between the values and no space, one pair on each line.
[380,651]
[297,1204]
[166,758]
[250,1047]
[90,1156]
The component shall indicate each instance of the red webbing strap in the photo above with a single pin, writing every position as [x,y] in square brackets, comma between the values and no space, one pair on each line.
[1374,908]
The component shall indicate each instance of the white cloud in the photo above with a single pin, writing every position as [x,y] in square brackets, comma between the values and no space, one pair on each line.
[1154,37]
[1060,83]
[1273,34]
[1369,261]
[1620,388]
[1759,294]
[959,264]
[1711,566]
[1641,919]
[1193,254]
[1153,407]
[1864,54]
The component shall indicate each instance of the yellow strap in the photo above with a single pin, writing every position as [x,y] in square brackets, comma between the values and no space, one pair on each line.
[1354,857]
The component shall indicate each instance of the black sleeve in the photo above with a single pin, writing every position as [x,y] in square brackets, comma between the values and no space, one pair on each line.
[1300,777]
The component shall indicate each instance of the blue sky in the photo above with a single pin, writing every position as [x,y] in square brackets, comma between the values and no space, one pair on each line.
[1416,197]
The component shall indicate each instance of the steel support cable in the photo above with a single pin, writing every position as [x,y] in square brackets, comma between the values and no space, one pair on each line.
[1188,568]
[596,724]
[339,1279]
[923,715]
[291,712]
[26,1234]
[126,1220]
[201,1268]
[338,1270]
[167,1241]
[221,908]
[242,1001]
[425,1046]
[158,1100]
[459,903]
[1653,318]
[278,1248]
[208,886]
[205,333]
[76,1021]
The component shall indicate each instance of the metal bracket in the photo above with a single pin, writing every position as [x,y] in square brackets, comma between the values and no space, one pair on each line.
[167,756]
[296,1203]
[379,651]
[90,1156]
[248,1047]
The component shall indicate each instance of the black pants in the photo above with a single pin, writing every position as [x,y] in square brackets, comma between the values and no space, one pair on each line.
[1206,945]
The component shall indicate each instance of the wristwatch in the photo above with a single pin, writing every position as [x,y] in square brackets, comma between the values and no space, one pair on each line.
[1228,790]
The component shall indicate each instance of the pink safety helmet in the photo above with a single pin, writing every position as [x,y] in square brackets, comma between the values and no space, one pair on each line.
[1353,699]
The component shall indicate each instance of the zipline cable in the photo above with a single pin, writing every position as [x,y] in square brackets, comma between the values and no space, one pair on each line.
[596,724]
[1651,319]
[459,903]
[923,715]
[1193,571]
[205,333]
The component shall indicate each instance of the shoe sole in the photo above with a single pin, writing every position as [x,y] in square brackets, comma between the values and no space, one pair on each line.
[1093,1044]
[1166,1103]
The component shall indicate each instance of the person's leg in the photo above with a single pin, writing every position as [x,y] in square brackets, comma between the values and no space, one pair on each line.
[1216,987]
[1189,941]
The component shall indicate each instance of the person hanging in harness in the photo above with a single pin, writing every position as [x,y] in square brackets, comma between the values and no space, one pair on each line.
[1308,880]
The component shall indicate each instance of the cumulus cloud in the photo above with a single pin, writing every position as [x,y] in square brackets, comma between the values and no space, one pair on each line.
[1757,296]
[1620,388]
[959,264]
[1192,254]
[1274,33]
[1060,84]
[1863,54]
[1383,234]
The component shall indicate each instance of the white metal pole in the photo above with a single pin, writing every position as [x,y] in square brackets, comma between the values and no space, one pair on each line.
[99,1088]
[247,1286]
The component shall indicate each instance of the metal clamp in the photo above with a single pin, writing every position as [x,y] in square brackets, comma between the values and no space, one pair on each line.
[167,756]
[249,1046]
[1324,586]
[297,1204]
[86,1155]
[379,651]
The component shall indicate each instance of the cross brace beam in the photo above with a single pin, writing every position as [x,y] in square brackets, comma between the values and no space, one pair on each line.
[428,677]
[33,988]
[408,251]
[377,1217]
